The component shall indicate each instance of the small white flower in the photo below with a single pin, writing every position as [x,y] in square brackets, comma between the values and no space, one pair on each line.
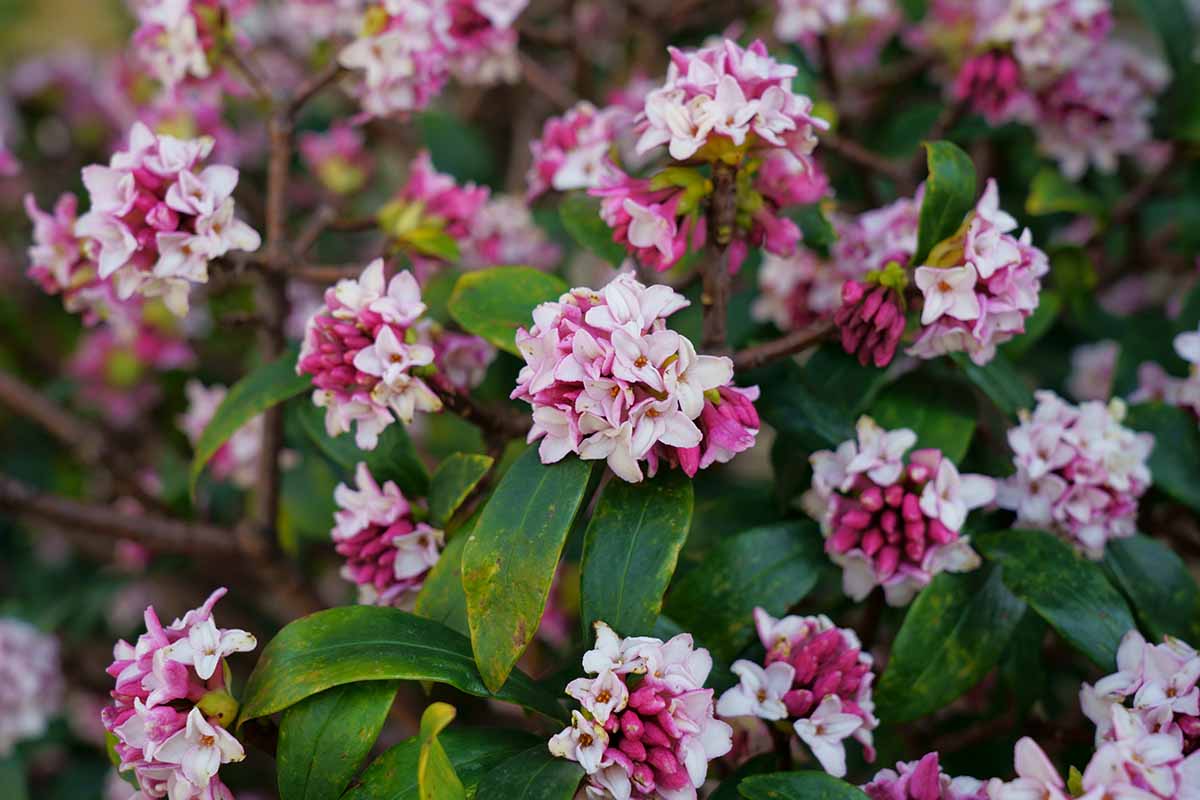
[200,749]
[825,731]
[759,692]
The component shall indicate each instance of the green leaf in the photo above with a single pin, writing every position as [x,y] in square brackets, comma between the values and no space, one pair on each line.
[324,738]
[433,243]
[1155,579]
[509,560]
[774,566]
[798,786]
[580,215]
[12,779]
[817,232]
[949,195]
[436,778]
[1176,449]
[493,303]
[1051,193]
[365,643]
[953,634]
[472,751]
[630,549]
[393,459]
[759,765]
[442,598]
[255,393]
[532,775]
[998,380]
[1068,591]
[453,482]
[940,418]
[457,148]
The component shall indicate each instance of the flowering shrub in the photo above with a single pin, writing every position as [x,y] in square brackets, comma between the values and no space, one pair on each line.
[600,400]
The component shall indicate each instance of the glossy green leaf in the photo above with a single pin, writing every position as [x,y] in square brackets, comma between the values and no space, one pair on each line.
[630,549]
[509,560]
[364,643]
[1157,582]
[324,738]
[453,482]
[493,303]
[255,393]
[580,215]
[941,419]
[442,598]
[1068,591]
[817,232]
[953,634]
[949,195]
[393,459]
[457,148]
[798,786]
[774,566]
[1176,449]
[473,752]
[1052,193]
[436,778]
[999,380]
[532,775]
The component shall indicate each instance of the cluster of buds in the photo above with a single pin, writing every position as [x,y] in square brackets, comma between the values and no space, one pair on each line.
[158,216]
[608,380]
[979,286]
[236,459]
[362,353]
[574,148]
[180,40]
[407,49]
[388,552]
[889,520]
[1155,384]
[646,730]
[923,780]
[115,366]
[816,675]
[732,108]
[31,682]
[1157,683]
[1080,472]
[171,705]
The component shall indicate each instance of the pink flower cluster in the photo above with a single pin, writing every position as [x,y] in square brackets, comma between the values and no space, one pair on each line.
[856,29]
[407,49]
[388,554]
[923,780]
[237,458]
[647,730]
[59,262]
[608,380]
[175,38]
[796,292]
[337,157]
[1155,384]
[979,291]
[1080,472]
[890,521]
[158,216]
[503,232]
[171,706]
[31,682]
[358,351]
[816,674]
[574,148]
[114,365]
[1159,682]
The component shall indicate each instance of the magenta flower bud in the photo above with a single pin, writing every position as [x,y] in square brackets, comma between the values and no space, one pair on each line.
[827,683]
[925,782]
[872,541]
[865,330]
[645,700]
[843,539]
[653,735]
[856,518]
[871,498]
[643,777]
[889,559]
[662,761]
[890,522]
[893,495]
[910,508]
[162,218]
[798,702]
[631,725]
[633,748]
[939,533]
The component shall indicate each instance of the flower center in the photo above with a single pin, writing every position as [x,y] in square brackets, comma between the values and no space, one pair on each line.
[641,362]
[604,696]
[585,740]
[207,741]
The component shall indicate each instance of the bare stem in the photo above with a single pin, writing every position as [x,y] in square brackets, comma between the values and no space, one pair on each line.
[715,271]
[861,156]
[546,83]
[786,345]
[313,86]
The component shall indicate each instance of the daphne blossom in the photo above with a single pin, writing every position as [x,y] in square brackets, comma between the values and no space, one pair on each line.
[647,729]
[31,682]
[176,40]
[923,780]
[1080,472]
[891,519]
[816,675]
[573,148]
[1154,383]
[608,380]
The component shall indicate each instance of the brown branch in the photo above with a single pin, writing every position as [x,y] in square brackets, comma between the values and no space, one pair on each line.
[714,293]
[497,425]
[317,224]
[249,74]
[354,224]
[789,344]
[861,156]
[313,86]
[546,83]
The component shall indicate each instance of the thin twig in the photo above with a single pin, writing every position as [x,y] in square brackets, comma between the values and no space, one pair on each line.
[714,294]
[786,345]
[317,224]
[249,74]
[313,86]
[857,154]
[497,425]
[546,83]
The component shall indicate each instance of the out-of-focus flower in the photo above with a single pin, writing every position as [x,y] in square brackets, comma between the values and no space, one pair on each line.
[923,780]
[1036,776]
[503,232]
[115,368]
[358,351]
[171,706]
[890,523]
[816,675]
[31,682]
[794,293]
[388,553]
[648,729]
[178,40]
[857,29]
[1092,370]
[337,157]
[1154,384]
[608,380]
[237,458]
[573,148]
[1080,472]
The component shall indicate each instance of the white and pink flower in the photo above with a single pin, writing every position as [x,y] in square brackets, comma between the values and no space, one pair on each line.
[31,682]
[236,459]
